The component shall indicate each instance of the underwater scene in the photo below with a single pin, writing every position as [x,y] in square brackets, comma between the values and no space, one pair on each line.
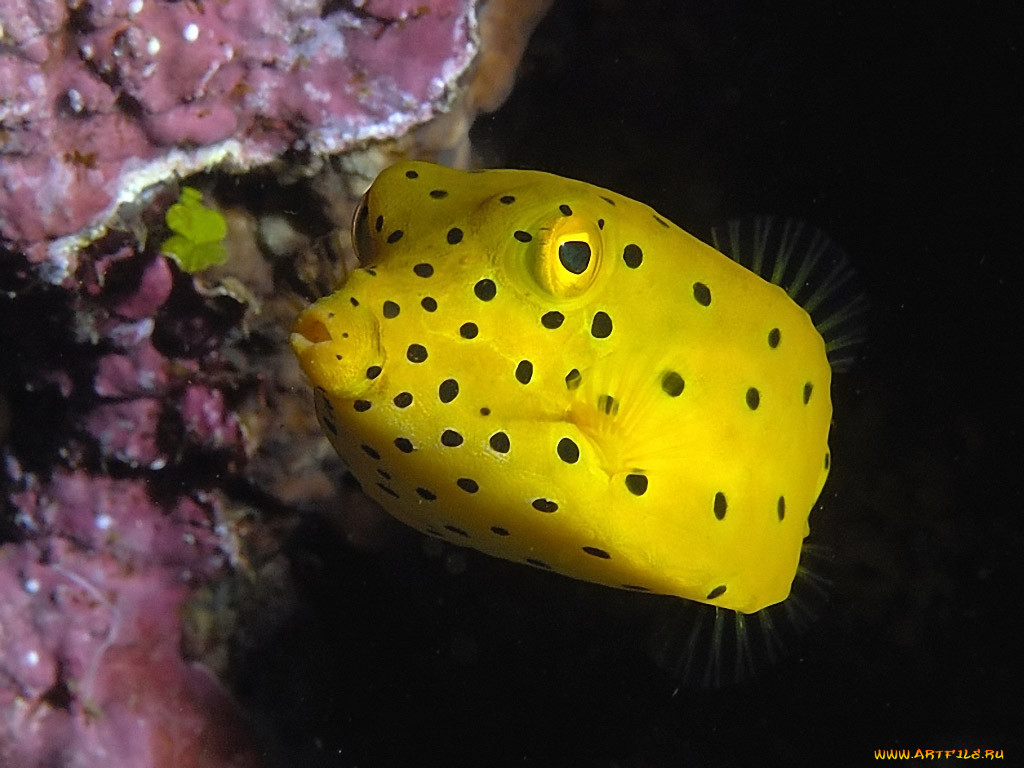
[508,383]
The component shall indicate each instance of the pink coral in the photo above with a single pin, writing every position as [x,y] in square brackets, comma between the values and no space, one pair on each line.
[100,100]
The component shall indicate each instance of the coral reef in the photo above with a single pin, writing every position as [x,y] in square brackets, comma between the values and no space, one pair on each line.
[101,100]
[157,441]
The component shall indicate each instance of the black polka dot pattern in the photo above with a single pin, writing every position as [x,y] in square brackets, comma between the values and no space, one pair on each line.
[448,390]
[404,444]
[390,309]
[485,289]
[456,530]
[423,270]
[416,353]
[426,495]
[451,439]
[774,337]
[595,552]
[601,327]
[720,506]
[468,330]
[467,484]
[565,210]
[497,530]
[521,236]
[361,406]
[716,592]
[573,379]
[499,442]
[403,399]
[568,451]
[507,199]
[702,294]
[632,255]
[370,451]
[395,236]
[524,371]
[454,236]
[781,508]
[544,505]
[672,384]
[439,194]
[552,319]
[753,398]
[808,388]
[428,304]
[636,484]
[373,371]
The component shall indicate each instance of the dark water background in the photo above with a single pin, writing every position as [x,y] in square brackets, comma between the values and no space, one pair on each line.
[896,128]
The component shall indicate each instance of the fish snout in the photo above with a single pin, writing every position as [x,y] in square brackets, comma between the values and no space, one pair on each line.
[336,343]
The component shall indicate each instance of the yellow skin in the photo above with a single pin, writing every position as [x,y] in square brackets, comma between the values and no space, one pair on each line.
[686,482]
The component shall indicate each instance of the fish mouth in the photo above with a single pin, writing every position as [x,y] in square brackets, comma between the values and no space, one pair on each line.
[336,343]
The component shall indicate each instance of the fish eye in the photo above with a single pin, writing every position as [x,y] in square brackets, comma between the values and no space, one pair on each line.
[567,256]
[574,255]
[361,240]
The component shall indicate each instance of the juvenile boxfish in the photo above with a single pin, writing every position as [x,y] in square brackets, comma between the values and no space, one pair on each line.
[554,374]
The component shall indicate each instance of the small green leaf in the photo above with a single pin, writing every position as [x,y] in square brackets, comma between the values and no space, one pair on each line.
[198,241]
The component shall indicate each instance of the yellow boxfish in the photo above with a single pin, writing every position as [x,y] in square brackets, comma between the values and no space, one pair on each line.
[554,374]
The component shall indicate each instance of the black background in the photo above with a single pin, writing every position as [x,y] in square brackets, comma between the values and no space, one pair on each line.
[894,127]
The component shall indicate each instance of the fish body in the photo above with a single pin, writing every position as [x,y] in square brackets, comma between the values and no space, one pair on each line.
[554,374]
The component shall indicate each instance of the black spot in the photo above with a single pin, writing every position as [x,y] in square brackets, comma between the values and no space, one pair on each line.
[416,353]
[661,221]
[601,327]
[383,474]
[608,404]
[597,552]
[632,255]
[672,383]
[600,223]
[338,357]
[395,236]
[370,451]
[607,200]
[425,494]
[389,491]
[545,505]
[468,485]
[423,270]
[808,388]
[524,371]
[371,270]
[428,304]
[574,256]
[521,236]
[373,372]
[635,588]
[353,301]
[438,194]
[330,426]
[485,289]
[702,294]
[361,405]
[753,398]
[774,337]
[828,460]
[499,531]
[552,319]
[379,223]
[448,390]
[568,451]
[391,309]
[565,209]
[782,507]
[538,563]
[507,200]
[636,484]
[454,236]
[404,444]
[716,592]
[485,411]
[499,442]
[411,175]
[457,531]
[403,399]
[468,330]
[450,438]
[720,505]
[573,379]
